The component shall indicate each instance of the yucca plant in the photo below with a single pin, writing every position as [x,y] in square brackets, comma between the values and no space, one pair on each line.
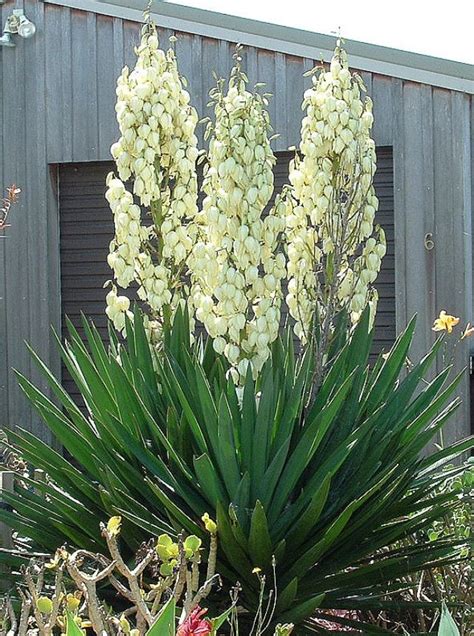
[323,485]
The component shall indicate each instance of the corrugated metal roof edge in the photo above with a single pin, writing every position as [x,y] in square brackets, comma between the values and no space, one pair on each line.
[366,57]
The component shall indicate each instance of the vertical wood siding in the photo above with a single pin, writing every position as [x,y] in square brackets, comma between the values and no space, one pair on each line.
[57,106]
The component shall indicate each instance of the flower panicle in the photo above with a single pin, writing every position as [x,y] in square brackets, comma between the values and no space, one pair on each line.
[157,149]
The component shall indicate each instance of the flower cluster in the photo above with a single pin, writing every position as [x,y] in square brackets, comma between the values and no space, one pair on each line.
[332,256]
[236,264]
[227,259]
[158,149]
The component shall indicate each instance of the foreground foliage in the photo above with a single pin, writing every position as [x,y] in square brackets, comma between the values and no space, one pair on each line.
[324,485]
[152,597]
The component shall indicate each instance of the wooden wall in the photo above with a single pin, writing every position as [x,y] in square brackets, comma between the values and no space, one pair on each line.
[57,106]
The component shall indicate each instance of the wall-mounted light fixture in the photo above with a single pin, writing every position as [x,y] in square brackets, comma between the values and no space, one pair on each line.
[17,23]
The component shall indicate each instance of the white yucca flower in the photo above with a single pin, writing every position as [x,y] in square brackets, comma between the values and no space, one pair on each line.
[228,259]
[333,253]
[237,265]
[157,150]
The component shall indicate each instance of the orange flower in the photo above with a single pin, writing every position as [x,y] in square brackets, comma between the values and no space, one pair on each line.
[445,322]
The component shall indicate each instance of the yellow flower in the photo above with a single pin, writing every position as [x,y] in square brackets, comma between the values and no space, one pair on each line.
[60,555]
[445,322]
[113,525]
[73,601]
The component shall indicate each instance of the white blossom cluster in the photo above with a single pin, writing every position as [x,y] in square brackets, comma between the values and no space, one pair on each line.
[227,260]
[332,256]
[236,265]
[158,150]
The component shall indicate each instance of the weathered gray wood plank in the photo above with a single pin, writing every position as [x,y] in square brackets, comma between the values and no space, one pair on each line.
[16,262]
[399,202]
[54,94]
[208,81]
[106,83]
[472,209]
[84,83]
[183,48]
[92,73]
[450,161]
[250,65]
[427,187]
[294,97]
[65,38]
[367,79]
[280,100]
[131,39]
[462,264]
[444,198]
[266,74]
[225,52]
[381,94]
[198,97]
[36,238]
[417,296]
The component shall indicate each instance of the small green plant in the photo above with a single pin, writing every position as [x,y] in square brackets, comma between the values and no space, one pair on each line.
[160,594]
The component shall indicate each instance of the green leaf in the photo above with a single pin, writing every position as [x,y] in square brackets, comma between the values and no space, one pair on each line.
[329,486]
[249,414]
[241,502]
[311,556]
[308,520]
[71,628]
[307,446]
[286,597]
[300,611]
[165,624]
[227,458]
[263,429]
[209,480]
[260,543]
[447,626]
[231,548]
[390,370]
[218,621]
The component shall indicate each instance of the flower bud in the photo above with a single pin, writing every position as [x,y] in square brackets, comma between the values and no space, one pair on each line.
[210,525]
